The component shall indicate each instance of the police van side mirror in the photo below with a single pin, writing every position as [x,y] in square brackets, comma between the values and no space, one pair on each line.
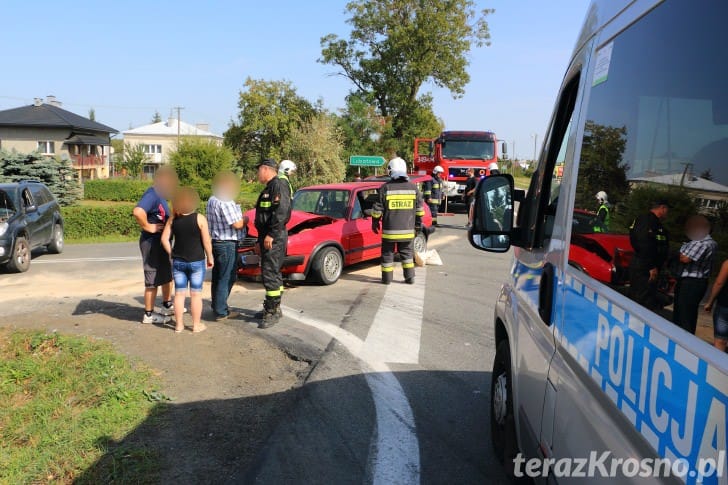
[492,228]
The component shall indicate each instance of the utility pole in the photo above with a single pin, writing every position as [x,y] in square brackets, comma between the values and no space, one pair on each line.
[515,158]
[535,147]
[179,109]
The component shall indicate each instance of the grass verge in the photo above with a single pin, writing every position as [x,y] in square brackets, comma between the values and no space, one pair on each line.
[108,238]
[63,402]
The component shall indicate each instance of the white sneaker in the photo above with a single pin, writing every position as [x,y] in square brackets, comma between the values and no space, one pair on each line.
[169,312]
[156,318]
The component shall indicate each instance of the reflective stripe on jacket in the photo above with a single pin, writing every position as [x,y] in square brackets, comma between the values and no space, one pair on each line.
[400,207]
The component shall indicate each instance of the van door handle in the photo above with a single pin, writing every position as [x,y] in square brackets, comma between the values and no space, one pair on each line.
[546,294]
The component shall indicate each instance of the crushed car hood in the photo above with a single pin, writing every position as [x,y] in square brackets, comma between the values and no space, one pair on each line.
[300,221]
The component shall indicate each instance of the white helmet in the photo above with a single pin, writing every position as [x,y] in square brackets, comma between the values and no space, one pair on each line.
[438,169]
[602,196]
[286,167]
[397,168]
[493,166]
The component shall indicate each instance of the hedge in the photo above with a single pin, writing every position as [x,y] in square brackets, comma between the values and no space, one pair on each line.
[115,190]
[89,222]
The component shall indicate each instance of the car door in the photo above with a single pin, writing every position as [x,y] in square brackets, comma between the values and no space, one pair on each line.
[361,242]
[536,274]
[45,214]
[32,218]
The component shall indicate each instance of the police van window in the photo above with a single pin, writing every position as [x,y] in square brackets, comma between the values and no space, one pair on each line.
[653,165]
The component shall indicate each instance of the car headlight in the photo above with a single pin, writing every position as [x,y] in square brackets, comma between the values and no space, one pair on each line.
[3,228]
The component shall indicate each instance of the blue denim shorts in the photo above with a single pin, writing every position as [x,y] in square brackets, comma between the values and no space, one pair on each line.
[720,322]
[192,274]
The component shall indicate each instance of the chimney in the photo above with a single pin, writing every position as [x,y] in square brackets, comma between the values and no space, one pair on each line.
[203,126]
[51,99]
[171,121]
[37,101]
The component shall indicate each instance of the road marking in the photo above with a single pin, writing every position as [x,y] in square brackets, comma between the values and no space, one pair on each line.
[394,455]
[87,260]
[395,333]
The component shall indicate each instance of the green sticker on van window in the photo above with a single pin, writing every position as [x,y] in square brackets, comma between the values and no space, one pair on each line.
[601,69]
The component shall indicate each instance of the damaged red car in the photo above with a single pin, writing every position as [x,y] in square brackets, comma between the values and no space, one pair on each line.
[330,229]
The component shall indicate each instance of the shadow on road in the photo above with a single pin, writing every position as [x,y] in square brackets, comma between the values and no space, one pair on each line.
[319,433]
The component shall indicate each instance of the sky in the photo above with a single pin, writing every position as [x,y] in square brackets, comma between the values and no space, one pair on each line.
[129,59]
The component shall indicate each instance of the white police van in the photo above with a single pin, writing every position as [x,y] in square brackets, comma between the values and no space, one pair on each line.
[582,371]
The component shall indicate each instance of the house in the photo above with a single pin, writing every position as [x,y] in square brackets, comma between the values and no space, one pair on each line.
[160,139]
[46,127]
[709,195]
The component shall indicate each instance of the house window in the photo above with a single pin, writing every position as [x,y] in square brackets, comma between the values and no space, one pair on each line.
[47,147]
[152,149]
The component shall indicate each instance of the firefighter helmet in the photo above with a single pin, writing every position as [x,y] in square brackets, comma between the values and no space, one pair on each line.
[397,168]
[438,169]
[286,167]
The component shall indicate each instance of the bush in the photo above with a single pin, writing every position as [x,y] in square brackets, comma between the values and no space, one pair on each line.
[115,190]
[89,222]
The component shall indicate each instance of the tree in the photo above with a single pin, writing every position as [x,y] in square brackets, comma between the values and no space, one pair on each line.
[317,148]
[157,117]
[396,46]
[133,159]
[706,174]
[56,173]
[92,114]
[602,166]
[197,162]
[268,112]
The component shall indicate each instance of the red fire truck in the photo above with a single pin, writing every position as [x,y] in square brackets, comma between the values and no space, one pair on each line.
[456,152]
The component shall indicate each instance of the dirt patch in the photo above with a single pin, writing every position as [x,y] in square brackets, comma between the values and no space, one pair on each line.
[229,387]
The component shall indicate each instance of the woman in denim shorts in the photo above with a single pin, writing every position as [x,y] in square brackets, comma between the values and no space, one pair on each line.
[719,299]
[191,255]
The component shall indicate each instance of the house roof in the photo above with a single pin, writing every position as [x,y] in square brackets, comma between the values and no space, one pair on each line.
[169,128]
[86,140]
[49,116]
[693,183]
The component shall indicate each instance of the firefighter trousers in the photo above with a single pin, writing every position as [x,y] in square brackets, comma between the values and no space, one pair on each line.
[405,249]
[271,261]
[434,207]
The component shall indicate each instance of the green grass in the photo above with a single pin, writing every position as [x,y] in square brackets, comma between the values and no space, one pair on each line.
[107,238]
[63,400]
[521,181]
[100,203]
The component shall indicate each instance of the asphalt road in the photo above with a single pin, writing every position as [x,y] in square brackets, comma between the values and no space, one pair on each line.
[399,392]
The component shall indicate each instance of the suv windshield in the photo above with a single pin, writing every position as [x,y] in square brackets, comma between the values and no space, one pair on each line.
[468,150]
[332,203]
[7,209]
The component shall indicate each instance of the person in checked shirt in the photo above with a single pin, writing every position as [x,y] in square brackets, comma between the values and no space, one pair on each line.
[697,258]
[227,226]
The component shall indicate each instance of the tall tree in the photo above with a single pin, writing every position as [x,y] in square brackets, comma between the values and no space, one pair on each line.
[156,118]
[198,161]
[396,46]
[56,173]
[133,159]
[92,114]
[317,148]
[268,112]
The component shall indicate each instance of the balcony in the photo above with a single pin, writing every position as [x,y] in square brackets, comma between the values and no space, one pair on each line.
[88,161]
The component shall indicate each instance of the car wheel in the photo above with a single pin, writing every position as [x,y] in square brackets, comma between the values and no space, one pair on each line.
[328,265]
[20,262]
[420,243]
[56,244]
[502,419]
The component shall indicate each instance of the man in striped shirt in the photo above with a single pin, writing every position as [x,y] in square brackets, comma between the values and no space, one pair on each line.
[697,258]
[227,226]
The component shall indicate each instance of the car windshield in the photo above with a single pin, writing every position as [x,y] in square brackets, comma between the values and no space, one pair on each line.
[322,202]
[583,223]
[7,209]
[468,150]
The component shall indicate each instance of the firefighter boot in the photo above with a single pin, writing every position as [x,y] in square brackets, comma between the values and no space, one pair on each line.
[387,277]
[271,313]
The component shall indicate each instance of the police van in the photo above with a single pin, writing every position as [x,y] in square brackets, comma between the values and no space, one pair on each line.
[590,384]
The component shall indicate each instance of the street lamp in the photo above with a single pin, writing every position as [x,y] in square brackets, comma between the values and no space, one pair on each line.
[535,147]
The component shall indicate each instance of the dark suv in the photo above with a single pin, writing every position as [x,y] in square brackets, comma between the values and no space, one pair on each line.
[30,218]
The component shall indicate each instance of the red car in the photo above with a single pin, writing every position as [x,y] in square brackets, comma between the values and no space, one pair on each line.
[603,256]
[330,228]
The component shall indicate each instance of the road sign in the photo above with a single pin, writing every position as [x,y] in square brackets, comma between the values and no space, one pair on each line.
[366,161]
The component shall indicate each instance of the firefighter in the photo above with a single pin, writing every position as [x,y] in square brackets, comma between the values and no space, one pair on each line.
[399,213]
[272,212]
[601,221]
[651,245]
[433,192]
[285,170]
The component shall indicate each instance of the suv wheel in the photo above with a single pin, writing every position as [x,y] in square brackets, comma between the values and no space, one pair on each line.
[20,262]
[56,244]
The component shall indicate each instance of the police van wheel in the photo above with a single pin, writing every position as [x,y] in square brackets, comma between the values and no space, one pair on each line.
[502,420]
[328,265]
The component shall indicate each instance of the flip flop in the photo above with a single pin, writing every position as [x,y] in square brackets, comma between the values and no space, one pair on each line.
[200,328]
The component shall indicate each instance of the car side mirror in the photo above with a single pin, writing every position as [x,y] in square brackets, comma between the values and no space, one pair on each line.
[492,228]
[31,208]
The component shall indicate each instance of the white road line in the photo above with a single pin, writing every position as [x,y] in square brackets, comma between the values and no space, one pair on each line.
[394,455]
[87,260]
[395,334]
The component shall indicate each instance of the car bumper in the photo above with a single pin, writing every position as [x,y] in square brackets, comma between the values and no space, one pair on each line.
[6,247]
[294,267]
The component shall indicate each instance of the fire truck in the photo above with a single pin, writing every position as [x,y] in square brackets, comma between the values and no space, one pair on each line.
[456,152]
